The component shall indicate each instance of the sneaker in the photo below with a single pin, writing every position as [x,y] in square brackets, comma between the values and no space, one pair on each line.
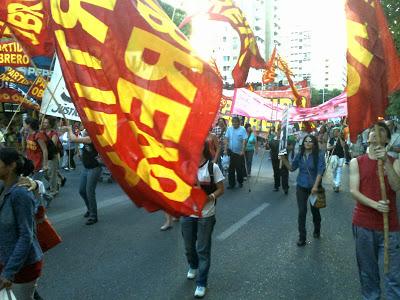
[301,243]
[191,274]
[91,221]
[316,235]
[165,227]
[200,292]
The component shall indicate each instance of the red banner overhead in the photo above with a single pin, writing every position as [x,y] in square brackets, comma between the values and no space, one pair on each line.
[144,97]
[28,22]
[227,11]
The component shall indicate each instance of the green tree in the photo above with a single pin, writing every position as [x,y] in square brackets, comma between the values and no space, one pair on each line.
[320,96]
[178,17]
[392,10]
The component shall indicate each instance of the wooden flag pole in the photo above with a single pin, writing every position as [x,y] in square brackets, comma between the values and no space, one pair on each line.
[384,198]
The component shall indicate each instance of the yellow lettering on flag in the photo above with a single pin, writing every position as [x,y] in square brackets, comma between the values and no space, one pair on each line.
[359,52]
[95,94]
[109,121]
[150,174]
[77,56]
[91,24]
[140,40]
[25,19]
[152,102]
[157,19]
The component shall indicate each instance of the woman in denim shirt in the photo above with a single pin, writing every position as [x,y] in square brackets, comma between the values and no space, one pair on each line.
[20,253]
[311,164]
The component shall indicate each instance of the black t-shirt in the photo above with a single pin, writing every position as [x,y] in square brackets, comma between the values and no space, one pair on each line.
[338,149]
[89,156]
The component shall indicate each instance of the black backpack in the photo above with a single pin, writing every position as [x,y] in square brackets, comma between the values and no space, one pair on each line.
[51,148]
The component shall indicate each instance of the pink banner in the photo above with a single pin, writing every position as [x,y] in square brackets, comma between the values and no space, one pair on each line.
[305,92]
[252,105]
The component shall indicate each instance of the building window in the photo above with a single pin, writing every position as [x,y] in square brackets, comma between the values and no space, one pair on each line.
[224,39]
[226,58]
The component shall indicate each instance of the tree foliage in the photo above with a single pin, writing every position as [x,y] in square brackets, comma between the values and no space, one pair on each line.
[178,17]
[392,10]
[320,96]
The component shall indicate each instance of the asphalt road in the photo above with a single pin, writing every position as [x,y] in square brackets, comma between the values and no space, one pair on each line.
[254,252]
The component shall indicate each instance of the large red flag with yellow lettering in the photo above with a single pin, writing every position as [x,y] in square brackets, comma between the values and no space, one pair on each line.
[146,99]
[372,62]
[227,11]
[29,23]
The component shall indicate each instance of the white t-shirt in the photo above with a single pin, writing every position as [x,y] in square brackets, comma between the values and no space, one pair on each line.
[203,177]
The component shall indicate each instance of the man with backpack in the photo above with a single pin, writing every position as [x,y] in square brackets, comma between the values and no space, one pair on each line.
[55,150]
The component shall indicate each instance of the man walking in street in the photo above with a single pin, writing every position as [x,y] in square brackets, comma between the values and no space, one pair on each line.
[368,220]
[235,143]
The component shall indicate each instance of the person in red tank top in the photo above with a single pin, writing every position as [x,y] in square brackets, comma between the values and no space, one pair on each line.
[36,149]
[368,219]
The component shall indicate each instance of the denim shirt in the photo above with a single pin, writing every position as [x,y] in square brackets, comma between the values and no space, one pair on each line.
[306,178]
[19,246]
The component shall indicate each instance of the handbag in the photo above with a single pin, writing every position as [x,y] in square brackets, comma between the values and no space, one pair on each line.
[7,294]
[47,236]
[321,198]
[320,202]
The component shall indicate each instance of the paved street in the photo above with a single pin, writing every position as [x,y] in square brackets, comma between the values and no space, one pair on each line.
[254,253]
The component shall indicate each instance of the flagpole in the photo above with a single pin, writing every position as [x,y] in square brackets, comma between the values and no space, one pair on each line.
[384,198]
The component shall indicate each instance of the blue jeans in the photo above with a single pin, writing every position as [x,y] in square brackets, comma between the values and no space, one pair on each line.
[369,252]
[198,255]
[87,189]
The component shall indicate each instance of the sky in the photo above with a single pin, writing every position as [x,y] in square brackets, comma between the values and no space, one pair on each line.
[325,18]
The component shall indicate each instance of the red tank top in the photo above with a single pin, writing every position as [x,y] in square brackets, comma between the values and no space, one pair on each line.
[33,150]
[368,217]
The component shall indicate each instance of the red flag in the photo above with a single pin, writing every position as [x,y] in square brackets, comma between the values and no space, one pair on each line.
[144,97]
[372,64]
[269,73]
[226,11]
[29,23]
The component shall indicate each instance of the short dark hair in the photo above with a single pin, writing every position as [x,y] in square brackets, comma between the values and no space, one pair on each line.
[33,123]
[10,155]
[235,119]
[384,126]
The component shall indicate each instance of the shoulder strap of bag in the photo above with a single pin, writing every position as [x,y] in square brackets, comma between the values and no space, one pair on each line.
[211,171]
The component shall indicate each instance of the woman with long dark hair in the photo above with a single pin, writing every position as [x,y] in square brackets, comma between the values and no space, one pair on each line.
[197,231]
[20,252]
[311,164]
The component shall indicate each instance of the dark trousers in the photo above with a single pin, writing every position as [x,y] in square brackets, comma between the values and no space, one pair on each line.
[249,161]
[280,174]
[70,158]
[302,201]
[236,164]
[197,234]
